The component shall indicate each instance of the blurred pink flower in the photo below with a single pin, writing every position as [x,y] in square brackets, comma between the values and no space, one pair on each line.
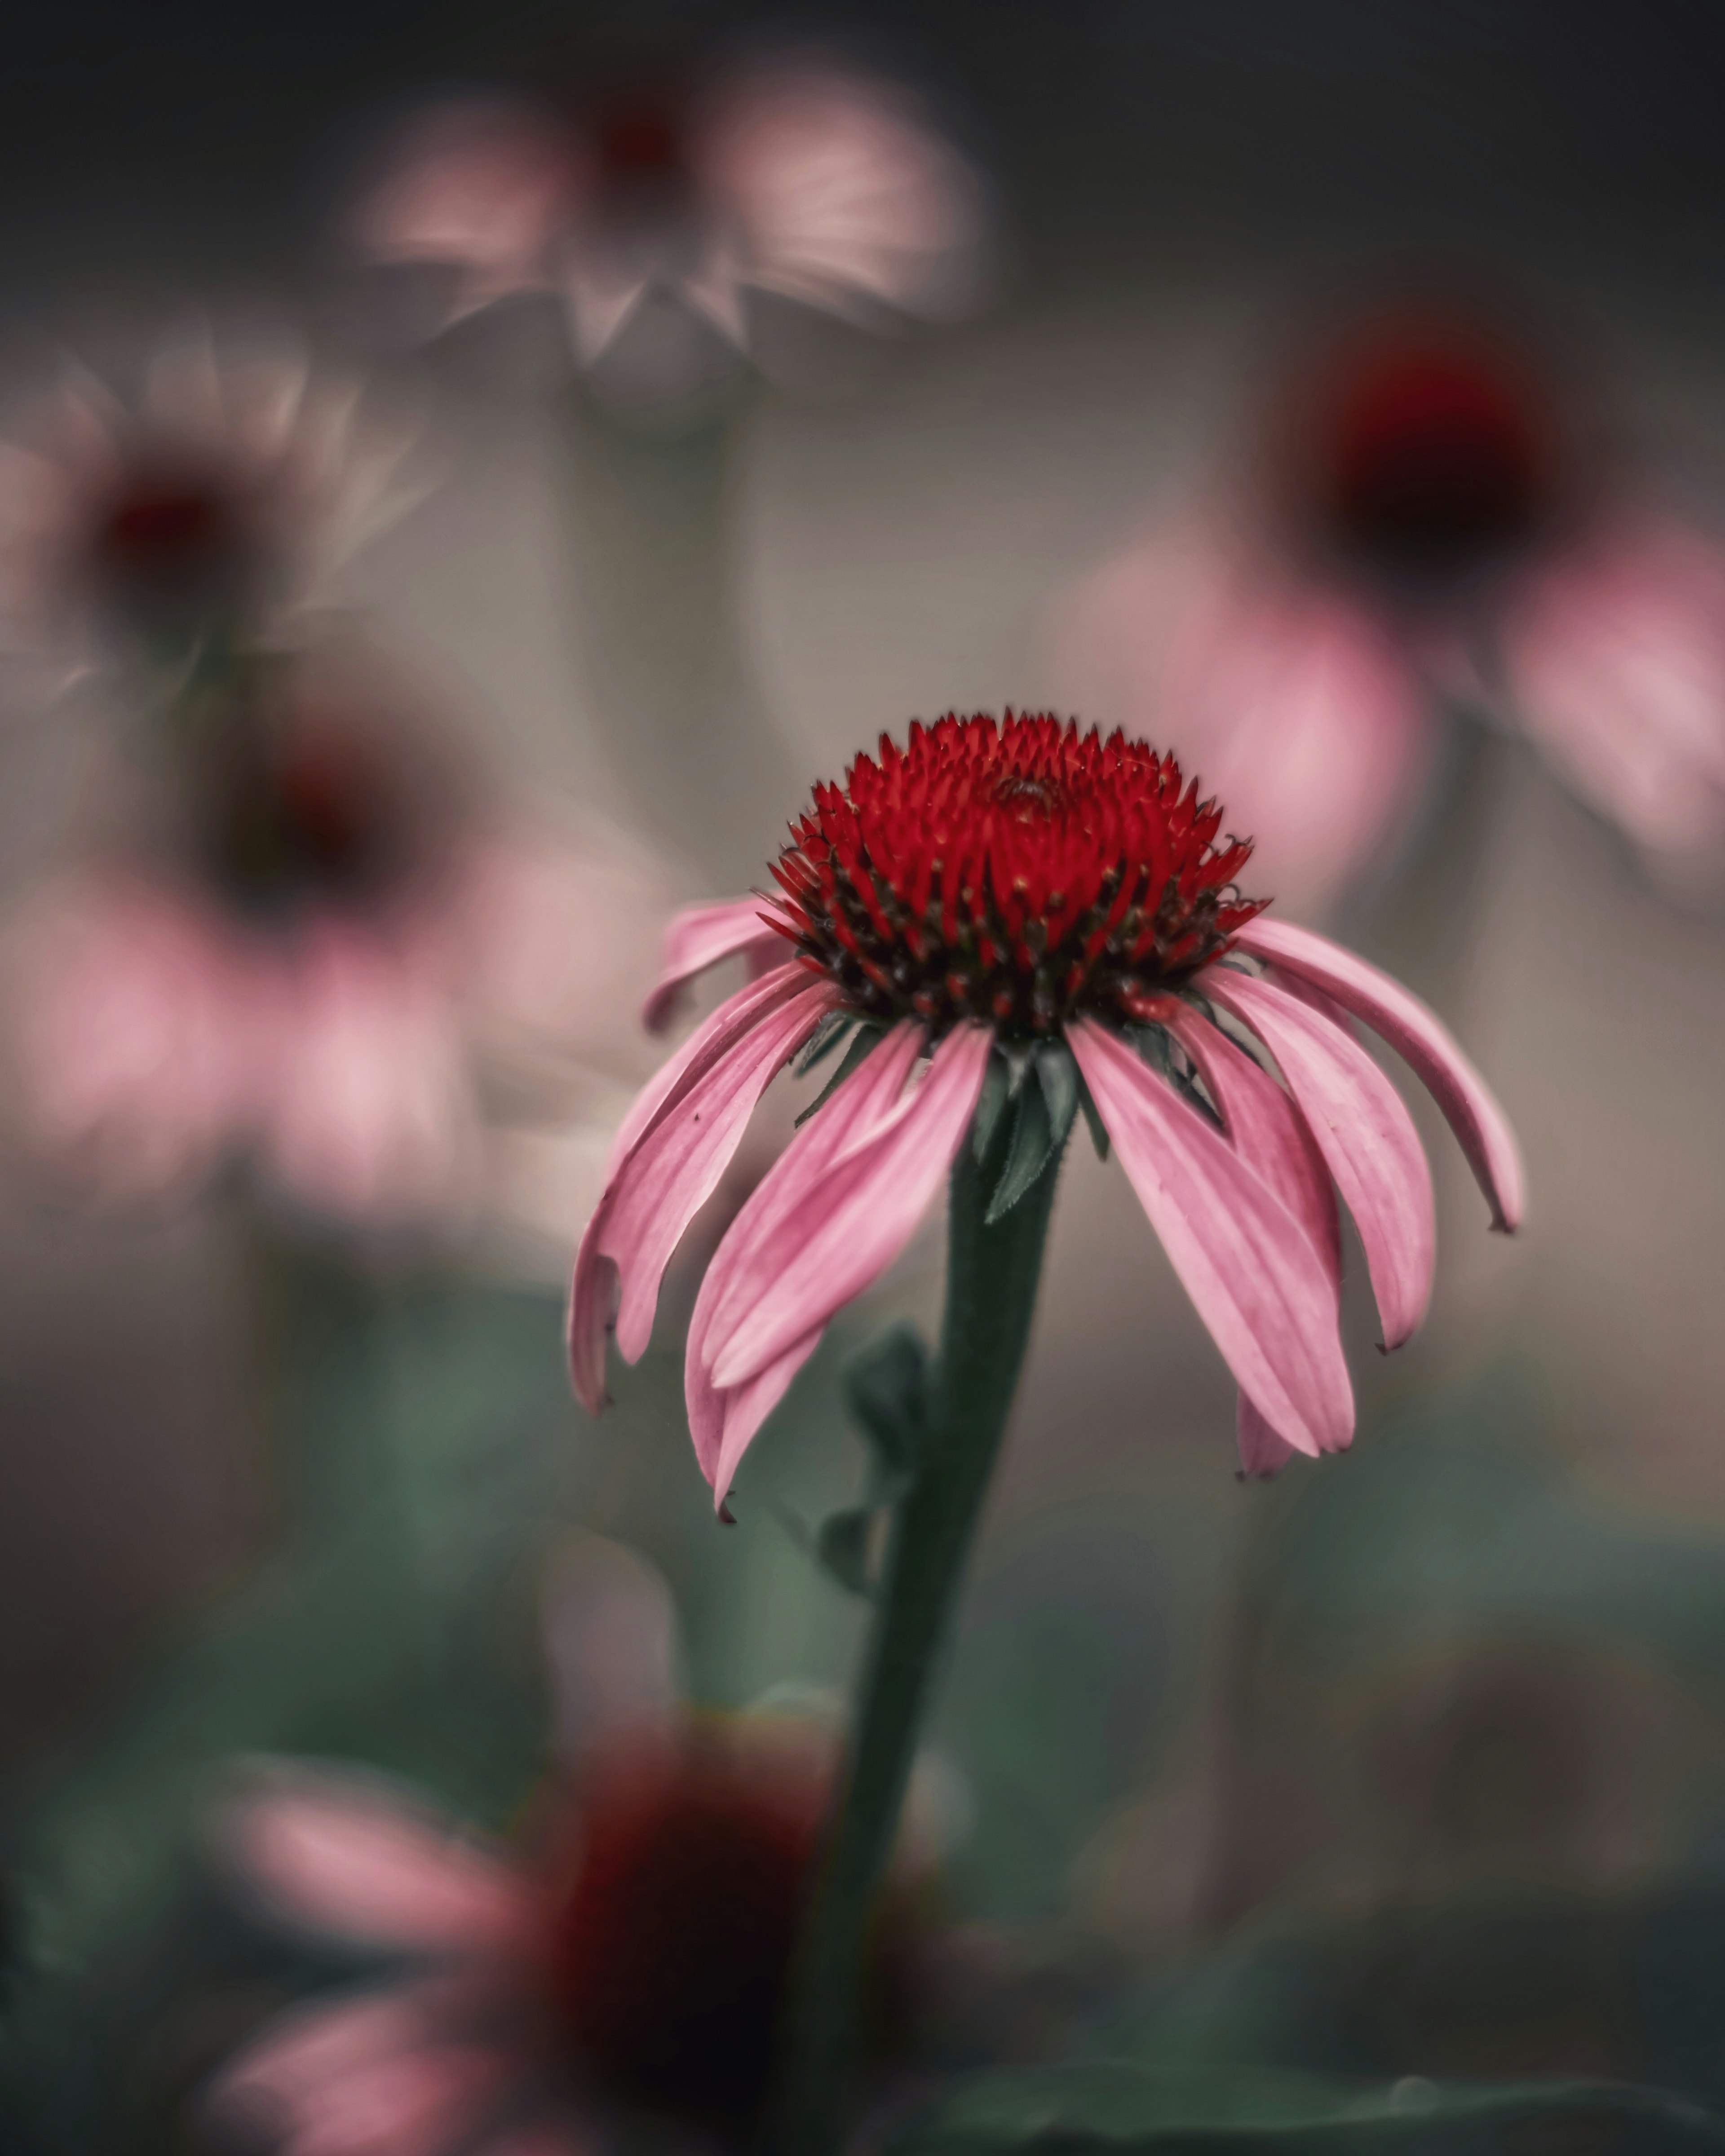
[335,967]
[624,1962]
[226,494]
[802,178]
[1018,885]
[1425,521]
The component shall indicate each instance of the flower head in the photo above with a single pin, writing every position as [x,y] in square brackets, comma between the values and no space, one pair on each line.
[819,183]
[1431,521]
[222,497]
[623,1959]
[324,955]
[1013,910]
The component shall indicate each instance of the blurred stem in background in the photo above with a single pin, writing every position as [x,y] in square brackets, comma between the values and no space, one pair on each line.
[656,604]
[993,1267]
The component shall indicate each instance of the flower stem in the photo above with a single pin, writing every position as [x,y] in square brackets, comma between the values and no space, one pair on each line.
[992,1277]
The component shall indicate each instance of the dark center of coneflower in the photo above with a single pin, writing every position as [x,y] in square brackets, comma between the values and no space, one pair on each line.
[673,1938]
[1019,872]
[301,816]
[640,140]
[173,541]
[1435,449]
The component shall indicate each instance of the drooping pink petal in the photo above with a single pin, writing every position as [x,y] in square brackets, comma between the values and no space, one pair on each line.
[1290,705]
[1364,1133]
[1421,1039]
[1616,662]
[670,1153]
[840,190]
[341,1855]
[834,1213]
[1263,1452]
[413,2101]
[1249,1265]
[704,935]
[482,186]
[1268,1129]
[370,1110]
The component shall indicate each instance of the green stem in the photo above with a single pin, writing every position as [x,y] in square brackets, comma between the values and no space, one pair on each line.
[991,1292]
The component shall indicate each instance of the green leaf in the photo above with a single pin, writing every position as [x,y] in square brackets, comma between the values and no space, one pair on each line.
[1031,1143]
[996,1081]
[841,1548]
[821,1043]
[1113,2107]
[1093,1118]
[867,1038]
[1057,1073]
[885,1388]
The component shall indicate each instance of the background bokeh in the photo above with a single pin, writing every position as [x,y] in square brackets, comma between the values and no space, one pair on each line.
[1413,1764]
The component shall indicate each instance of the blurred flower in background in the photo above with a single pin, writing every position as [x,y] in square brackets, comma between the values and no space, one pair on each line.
[801,177]
[207,510]
[1429,520]
[315,940]
[625,1964]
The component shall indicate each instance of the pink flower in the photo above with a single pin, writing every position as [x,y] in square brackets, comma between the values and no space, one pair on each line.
[1018,896]
[330,966]
[624,1960]
[1425,522]
[227,494]
[800,178]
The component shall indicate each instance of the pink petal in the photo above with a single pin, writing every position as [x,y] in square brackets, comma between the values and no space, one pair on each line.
[1267,1129]
[1424,1042]
[667,1178]
[840,189]
[828,1220]
[341,1855]
[594,1287]
[1263,1453]
[1364,1133]
[704,935]
[1617,661]
[1246,1262]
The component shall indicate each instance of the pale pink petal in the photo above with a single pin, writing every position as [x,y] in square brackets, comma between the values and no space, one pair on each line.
[1364,1133]
[704,935]
[341,1855]
[419,2103]
[1290,705]
[372,1113]
[670,1156]
[1249,1265]
[1616,662]
[1424,1042]
[844,1233]
[840,190]
[608,1630]
[835,1210]
[137,1023]
[1263,1453]
[485,187]
[305,2048]
[1269,1131]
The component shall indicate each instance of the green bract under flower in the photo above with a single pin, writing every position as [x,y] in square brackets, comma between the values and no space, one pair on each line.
[1017,872]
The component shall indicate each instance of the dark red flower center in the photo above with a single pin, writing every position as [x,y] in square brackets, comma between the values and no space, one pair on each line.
[673,1938]
[1434,449]
[305,813]
[1016,871]
[173,539]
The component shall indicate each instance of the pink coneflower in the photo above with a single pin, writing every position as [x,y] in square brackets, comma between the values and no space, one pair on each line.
[805,179]
[225,495]
[327,962]
[1016,908]
[1429,519]
[619,1965]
